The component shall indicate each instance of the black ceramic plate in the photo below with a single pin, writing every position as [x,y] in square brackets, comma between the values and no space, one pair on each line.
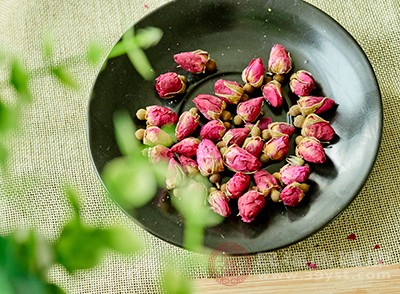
[234,32]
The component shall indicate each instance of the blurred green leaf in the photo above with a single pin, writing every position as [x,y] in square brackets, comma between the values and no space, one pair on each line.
[19,79]
[5,284]
[148,37]
[94,52]
[175,282]
[125,134]
[122,240]
[8,117]
[47,45]
[4,154]
[64,76]
[73,200]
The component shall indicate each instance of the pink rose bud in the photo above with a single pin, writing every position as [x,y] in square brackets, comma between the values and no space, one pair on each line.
[253,74]
[170,84]
[213,130]
[311,150]
[187,124]
[175,176]
[235,136]
[159,153]
[187,147]
[250,205]
[219,203]
[229,91]
[302,83]
[210,106]
[277,148]
[317,127]
[279,60]
[194,62]
[278,129]
[264,122]
[189,165]
[294,173]
[265,182]
[254,145]
[292,194]
[208,158]
[237,185]
[314,104]
[160,116]
[273,93]
[249,110]
[154,135]
[240,160]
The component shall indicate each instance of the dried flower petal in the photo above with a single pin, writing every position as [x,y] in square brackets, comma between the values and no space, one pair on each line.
[170,84]
[194,62]
[302,83]
[239,160]
[277,148]
[250,109]
[294,173]
[219,203]
[213,130]
[314,104]
[187,124]
[154,135]
[175,176]
[317,127]
[311,150]
[254,145]
[278,129]
[208,158]
[250,205]
[292,194]
[187,147]
[237,185]
[160,116]
[273,93]
[279,61]
[265,182]
[253,74]
[229,91]
[210,106]
[235,136]
[159,153]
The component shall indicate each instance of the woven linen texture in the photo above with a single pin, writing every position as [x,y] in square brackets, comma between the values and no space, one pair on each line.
[52,148]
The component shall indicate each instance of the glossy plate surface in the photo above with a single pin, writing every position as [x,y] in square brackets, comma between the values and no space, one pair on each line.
[234,32]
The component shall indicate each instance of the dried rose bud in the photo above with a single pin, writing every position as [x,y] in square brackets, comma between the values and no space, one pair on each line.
[208,158]
[210,106]
[219,203]
[292,194]
[159,153]
[253,74]
[277,148]
[240,160]
[273,93]
[229,91]
[187,147]
[189,165]
[294,173]
[160,116]
[237,185]
[311,150]
[302,83]
[254,145]
[279,61]
[250,109]
[314,104]
[213,130]
[194,62]
[175,176]
[265,182]
[317,127]
[250,205]
[235,136]
[154,135]
[278,129]
[170,84]
[187,124]
[264,122]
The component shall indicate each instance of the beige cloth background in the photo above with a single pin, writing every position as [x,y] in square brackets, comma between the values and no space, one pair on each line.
[53,148]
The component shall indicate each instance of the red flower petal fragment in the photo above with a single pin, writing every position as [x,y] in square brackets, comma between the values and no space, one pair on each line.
[351,237]
[279,61]
[311,265]
[194,62]
[377,246]
[250,205]
[170,84]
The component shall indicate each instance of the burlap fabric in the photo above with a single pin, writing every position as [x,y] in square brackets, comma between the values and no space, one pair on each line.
[52,149]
